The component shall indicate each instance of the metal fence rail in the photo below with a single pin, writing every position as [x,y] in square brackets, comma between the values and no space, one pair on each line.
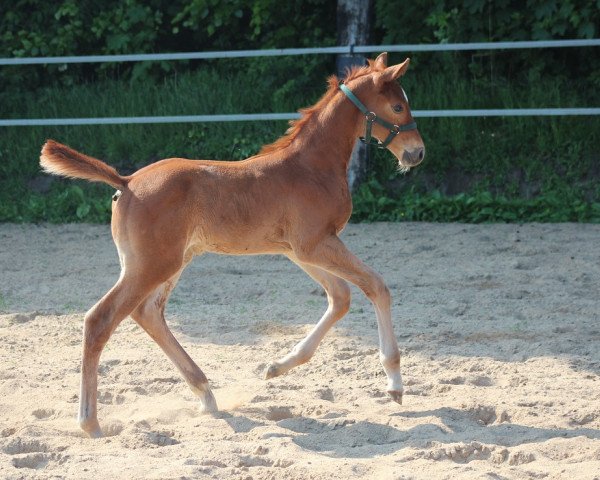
[252,117]
[296,51]
[349,49]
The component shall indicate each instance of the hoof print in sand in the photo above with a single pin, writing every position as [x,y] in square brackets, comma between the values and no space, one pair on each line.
[520,458]
[276,414]
[30,453]
[112,429]
[43,413]
[108,398]
[160,439]
[8,432]
[341,433]
[454,381]
[139,439]
[486,415]
[162,385]
[35,460]
[17,318]
[18,445]
[325,394]
[247,461]
[462,452]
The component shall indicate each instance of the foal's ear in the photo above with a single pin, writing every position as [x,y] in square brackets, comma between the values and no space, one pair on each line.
[381,61]
[392,73]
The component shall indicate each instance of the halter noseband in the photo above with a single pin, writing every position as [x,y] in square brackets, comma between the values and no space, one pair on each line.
[371,117]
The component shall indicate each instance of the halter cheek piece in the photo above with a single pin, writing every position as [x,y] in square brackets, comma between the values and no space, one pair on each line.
[371,117]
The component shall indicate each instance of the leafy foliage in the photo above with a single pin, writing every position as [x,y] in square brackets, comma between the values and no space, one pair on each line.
[372,203]
[443,21]
[513,169]
[475,169]
[30,28]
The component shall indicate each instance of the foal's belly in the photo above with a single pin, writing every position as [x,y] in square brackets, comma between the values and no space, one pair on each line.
[239,241]
[247,249]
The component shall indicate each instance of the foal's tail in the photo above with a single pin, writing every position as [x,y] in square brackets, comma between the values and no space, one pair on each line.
[62,160]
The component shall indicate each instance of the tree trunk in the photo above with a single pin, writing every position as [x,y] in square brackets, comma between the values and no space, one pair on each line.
[354,28]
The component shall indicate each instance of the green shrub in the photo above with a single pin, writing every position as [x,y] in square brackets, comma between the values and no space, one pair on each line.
[476,169]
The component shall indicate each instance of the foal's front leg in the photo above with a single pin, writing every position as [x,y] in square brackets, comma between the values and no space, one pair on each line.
[338,296]
[332,255]
[150,315]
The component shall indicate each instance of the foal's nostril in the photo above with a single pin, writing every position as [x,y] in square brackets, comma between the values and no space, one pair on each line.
[413,157]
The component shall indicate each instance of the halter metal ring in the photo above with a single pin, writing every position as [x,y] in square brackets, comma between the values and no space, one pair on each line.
[371,116]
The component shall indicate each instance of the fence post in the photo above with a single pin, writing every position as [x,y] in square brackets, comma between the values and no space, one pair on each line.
[354,28]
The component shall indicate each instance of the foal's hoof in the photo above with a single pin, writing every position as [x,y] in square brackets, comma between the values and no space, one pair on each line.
[91,427]
[208,402]
[273,371]
[95,433]
[396,395]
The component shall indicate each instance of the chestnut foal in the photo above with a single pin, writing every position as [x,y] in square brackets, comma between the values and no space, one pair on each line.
[291,199]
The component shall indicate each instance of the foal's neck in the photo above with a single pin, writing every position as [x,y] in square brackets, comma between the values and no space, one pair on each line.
[328,138]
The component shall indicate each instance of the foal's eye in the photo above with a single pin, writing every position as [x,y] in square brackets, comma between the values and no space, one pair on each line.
[397,108]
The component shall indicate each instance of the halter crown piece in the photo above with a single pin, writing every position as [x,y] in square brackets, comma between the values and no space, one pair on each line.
[371,117]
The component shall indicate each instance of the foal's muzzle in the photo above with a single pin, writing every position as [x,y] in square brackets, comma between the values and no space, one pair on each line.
[413,157]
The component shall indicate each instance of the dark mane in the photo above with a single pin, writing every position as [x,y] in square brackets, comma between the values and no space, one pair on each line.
[308,113]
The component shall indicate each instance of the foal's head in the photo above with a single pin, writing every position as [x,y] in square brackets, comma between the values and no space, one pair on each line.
[382,95]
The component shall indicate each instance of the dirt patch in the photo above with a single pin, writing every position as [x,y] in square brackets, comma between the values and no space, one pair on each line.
[498,325]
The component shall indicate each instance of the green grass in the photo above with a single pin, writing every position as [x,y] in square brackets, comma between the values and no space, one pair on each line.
[373,204]
[476,169]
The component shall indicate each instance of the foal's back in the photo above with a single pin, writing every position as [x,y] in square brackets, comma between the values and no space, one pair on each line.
[244,207]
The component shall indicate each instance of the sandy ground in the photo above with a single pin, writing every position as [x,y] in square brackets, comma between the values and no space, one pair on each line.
[498,325]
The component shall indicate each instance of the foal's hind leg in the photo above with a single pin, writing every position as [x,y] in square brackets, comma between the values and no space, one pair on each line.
[99,324]
[150,315]
[338,296]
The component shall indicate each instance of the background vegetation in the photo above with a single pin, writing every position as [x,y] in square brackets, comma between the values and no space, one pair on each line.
[476,170]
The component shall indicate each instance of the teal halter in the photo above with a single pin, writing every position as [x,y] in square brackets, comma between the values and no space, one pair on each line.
[371,117]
